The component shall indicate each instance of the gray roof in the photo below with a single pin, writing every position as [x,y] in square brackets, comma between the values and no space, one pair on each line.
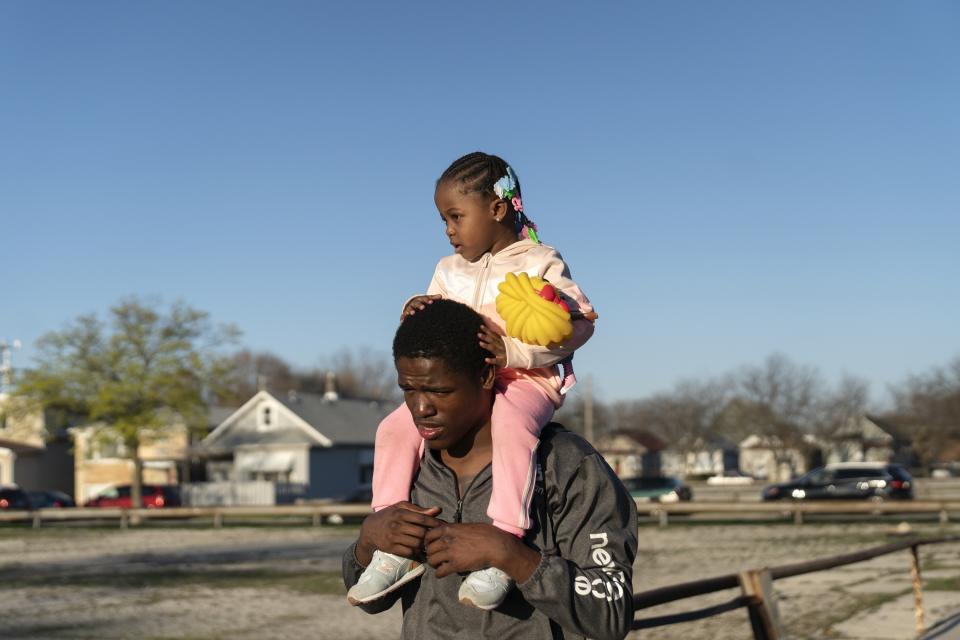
[217,414]
[344,422]
[897,426]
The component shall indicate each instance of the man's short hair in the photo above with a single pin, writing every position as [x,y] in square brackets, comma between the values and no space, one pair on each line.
[445,330]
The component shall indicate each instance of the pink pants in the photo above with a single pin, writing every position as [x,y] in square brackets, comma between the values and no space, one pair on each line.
[520,411]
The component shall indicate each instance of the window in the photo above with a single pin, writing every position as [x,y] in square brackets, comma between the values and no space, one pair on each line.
[271,476]
[847,474]
[266,417]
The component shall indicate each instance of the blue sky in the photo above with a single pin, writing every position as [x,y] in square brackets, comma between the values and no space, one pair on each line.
[725,180]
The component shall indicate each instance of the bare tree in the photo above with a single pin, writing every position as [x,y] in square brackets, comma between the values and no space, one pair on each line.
[842,408]
[252,371]
[361,373]
[571,415]
[929,405]
[780,403]
[685,416]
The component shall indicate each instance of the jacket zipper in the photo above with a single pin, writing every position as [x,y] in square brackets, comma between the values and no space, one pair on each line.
[458,516]
[481,281]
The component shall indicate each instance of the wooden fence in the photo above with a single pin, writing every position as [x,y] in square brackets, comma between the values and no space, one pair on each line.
[756,589]
[216,515]
[943,510]
[755,584]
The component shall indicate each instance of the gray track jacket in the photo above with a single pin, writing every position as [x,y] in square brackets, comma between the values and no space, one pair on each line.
[585,526]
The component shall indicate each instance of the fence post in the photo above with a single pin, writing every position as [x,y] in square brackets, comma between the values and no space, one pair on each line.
[944,516]
[217,519]
[317,520]
[36,519]
[757,585]
[664,517]
[797,514]
[917,587]
[124,520]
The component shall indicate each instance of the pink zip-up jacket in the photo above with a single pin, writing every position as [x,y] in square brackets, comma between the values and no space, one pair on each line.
[475,284]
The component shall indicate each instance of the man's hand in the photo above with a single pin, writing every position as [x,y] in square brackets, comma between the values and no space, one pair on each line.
[399,529]
[493,342]
[417,303]
[459,548]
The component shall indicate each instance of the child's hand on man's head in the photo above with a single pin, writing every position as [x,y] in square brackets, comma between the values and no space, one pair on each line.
[493,342]
[417,303]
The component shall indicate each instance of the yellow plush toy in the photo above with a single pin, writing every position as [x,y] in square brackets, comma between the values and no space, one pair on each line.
[533,311]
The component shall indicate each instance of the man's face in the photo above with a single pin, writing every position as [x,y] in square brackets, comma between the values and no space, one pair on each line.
[446,405]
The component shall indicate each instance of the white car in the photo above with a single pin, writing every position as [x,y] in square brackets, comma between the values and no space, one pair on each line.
[729,480]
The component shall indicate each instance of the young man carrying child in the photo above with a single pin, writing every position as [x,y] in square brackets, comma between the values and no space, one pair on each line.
[573,569]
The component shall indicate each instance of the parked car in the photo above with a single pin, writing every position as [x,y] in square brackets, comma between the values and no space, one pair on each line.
[846,481]
[14,498]
[50,499]
[658,489]
[152,496]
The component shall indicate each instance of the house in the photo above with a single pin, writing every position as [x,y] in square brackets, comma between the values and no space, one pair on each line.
[10,451]
[35,451]
[103,461]
[766,458]
[864,439]
[631,452]
[709,456]
[899,439]
[310,446]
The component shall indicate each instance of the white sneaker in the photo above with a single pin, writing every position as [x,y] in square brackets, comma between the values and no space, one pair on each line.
[386,572]
[485,589]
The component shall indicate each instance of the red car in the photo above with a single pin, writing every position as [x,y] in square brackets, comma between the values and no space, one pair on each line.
[152,497]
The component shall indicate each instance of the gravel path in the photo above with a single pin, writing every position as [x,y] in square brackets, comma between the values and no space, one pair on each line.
[252,582]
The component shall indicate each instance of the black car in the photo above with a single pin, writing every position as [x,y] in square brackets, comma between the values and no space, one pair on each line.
[13,498]
[846,481]
[50,499]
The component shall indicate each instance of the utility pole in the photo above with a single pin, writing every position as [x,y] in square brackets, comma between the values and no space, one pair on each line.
[588,411]
[6,365]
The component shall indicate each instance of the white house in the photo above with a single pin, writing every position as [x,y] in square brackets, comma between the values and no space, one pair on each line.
[310,445]
[759,458]
[712,455]
[631,452]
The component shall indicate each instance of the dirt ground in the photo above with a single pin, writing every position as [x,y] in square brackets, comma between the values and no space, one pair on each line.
[283,582]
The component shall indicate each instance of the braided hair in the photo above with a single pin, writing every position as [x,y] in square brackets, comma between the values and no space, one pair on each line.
[478,172]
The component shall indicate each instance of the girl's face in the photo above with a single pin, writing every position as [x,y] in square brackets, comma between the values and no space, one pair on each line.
[474,224]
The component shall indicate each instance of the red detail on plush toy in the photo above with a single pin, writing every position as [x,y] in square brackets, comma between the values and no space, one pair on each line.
[563,305]
[548,292]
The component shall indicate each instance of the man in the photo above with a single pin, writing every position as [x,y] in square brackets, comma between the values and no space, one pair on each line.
[573,569]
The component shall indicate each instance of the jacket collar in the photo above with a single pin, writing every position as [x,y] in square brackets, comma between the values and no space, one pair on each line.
[517,248]
[432,461]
